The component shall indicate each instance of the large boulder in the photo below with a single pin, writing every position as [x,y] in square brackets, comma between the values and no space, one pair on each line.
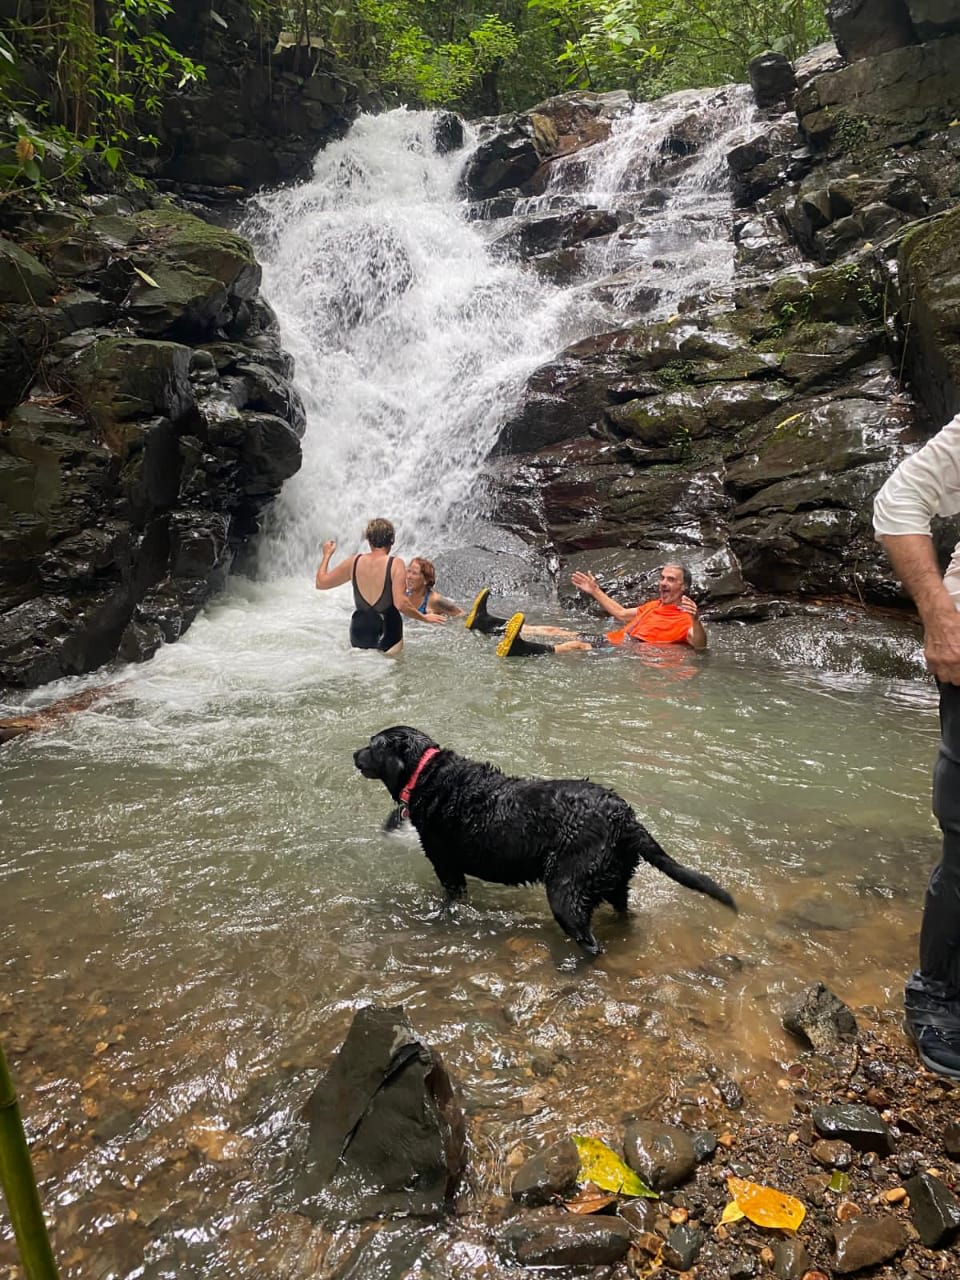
[885,100]
[929,262]
[864,28]
[386,1133]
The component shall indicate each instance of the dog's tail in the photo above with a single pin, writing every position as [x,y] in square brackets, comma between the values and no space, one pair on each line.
[644,844]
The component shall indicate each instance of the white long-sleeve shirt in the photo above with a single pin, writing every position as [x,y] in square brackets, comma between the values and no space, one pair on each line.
[925,485]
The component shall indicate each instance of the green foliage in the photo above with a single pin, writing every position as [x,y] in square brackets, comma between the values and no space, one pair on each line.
[656,46]
[107,64]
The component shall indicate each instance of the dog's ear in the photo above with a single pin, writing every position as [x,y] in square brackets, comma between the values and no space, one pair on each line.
[394,819]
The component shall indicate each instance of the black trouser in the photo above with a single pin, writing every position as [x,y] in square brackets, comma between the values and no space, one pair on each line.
[937,981]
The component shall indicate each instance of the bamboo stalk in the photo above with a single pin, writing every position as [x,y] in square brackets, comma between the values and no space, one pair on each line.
[20,1187]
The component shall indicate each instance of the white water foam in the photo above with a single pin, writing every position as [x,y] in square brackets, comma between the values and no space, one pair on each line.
[410,339]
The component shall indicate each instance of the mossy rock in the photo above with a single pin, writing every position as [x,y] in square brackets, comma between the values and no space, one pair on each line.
[180,239]
[929,263]
[116,379]
[23,278]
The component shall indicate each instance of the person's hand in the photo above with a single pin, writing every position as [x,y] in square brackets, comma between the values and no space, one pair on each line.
[433,617]
[329,547]
[941,645]
[585,582]
[689,606]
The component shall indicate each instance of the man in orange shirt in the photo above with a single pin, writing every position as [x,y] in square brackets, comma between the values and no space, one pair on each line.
[670,619]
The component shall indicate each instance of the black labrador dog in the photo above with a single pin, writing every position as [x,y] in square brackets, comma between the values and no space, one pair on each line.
[581,840]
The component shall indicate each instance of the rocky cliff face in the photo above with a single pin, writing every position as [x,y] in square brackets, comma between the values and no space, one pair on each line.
[264,109]
[747,434]
[148,417]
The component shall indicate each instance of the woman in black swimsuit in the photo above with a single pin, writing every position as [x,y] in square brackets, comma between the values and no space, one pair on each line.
[379,590]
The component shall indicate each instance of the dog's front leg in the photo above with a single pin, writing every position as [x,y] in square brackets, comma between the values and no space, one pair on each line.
[452,879]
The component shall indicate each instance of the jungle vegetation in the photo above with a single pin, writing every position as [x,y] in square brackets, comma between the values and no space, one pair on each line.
[83,79]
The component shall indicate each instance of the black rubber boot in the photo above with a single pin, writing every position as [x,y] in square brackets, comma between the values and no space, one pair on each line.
[513,644]
[478,619]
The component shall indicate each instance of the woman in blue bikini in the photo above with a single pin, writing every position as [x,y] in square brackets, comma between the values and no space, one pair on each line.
[379,590]
[421,580]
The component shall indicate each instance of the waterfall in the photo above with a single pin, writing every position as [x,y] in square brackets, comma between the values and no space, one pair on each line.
[412,339]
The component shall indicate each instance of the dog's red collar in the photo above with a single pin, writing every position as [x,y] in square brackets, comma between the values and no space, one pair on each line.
[424,760]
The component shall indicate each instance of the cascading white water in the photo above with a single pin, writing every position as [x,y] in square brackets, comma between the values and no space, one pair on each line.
[413,340]
[410,338]
[676,244]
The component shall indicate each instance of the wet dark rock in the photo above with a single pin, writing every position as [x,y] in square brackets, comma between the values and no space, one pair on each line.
[551,232]
[682,1247]
[865,28]
[22,277]
[641,1214]
[154,459]
[858,1125]
[743,1266]
[933,18]
[730,1092]
[447,132]
[951,1141]
[790,1259]
[506,160]
[927,263]
[386,1132]
[866,1242]
[704,1144]
[566,1241]
[771,79]
[934,1210]
[549,1175]
[662,1154]
[832,1154]
[820,1018]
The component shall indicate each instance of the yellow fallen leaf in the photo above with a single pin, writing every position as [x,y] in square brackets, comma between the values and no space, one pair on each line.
[143,276]
[766,1206]
[953,124]
[732,1213]
[605,1169]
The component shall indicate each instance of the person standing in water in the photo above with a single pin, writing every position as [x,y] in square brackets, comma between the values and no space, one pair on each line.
[379,590]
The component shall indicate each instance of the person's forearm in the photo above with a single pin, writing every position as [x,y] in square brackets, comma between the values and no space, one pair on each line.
[697,637]
[915,564]
[321,579]
[609,605]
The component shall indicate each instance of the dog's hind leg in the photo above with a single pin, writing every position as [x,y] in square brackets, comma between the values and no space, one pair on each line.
[573,913]
[618,898]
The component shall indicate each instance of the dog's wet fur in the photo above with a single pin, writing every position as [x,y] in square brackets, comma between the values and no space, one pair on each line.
[581,840]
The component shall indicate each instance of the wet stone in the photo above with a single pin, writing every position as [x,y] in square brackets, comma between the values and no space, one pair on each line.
[865,1242]
[566,1241]
[832,1154]
[662,1154]
[858,1125]
[744,1266]
[934,1210]
[819,1018]
[640,1214]
[951,1141]
[548,1175]
[704,1144]
[683,1245]
[790,1259]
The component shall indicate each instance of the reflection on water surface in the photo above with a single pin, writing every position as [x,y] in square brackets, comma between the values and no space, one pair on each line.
[196,895]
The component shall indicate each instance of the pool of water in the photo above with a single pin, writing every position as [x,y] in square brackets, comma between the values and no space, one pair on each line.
[196,895]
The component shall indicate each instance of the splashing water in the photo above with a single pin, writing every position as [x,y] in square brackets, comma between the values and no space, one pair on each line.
[409,339]
[413,341]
